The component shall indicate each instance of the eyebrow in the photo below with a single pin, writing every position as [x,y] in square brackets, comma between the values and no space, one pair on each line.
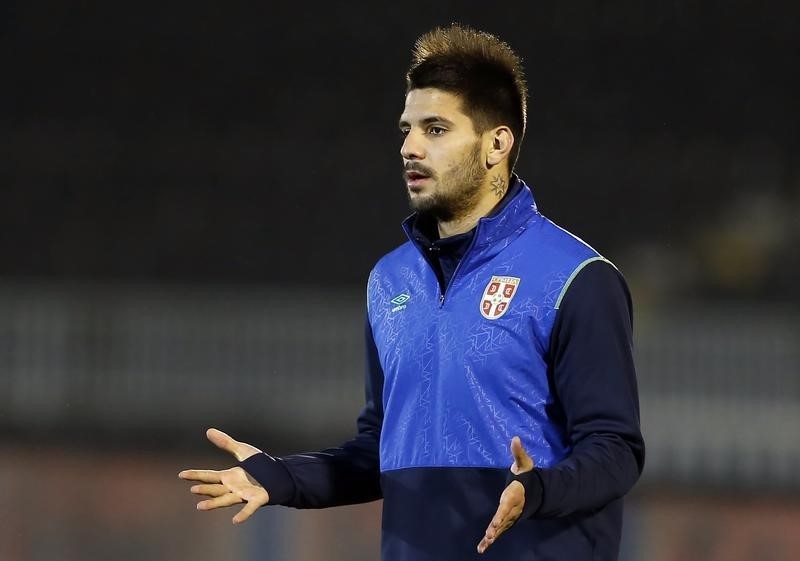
[428,121]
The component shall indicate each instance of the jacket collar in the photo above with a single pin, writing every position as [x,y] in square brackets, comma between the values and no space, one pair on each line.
[506,218]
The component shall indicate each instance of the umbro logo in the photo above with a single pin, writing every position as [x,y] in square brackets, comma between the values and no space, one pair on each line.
[399,301]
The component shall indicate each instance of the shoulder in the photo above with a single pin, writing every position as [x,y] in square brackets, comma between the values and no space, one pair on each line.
[403,254]
[556,252]
[570,264]
[562,241]
[596,285]
[388,274]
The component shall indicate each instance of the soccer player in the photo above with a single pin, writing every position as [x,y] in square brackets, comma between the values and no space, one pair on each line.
[493,338]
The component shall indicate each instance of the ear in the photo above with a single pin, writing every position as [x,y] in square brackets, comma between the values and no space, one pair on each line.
[501,140]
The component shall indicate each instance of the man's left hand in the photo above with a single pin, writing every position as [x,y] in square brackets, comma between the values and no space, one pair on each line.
[512,500]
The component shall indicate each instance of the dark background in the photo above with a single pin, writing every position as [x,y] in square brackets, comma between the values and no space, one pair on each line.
[192,195]
[211,142]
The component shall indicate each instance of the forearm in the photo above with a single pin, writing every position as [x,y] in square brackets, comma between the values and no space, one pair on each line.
[595,379]
[600,469]
[348,474]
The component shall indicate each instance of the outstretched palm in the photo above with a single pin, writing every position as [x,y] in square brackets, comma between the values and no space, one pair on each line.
[229,486]
[512,501]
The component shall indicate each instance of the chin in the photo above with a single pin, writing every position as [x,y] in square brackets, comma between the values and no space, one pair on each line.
[419,202]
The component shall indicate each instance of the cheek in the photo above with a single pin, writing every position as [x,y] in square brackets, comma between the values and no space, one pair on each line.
[447,167]
[451,167]
[451,157]
[449,162]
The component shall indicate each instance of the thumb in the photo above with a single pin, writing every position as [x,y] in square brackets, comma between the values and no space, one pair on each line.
[225,442]
[522,461]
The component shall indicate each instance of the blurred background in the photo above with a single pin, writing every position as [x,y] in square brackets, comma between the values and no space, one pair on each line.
[192,196]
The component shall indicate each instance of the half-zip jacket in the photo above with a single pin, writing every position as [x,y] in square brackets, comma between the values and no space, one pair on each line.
[533,339]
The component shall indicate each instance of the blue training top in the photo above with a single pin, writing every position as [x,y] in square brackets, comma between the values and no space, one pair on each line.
[518,328]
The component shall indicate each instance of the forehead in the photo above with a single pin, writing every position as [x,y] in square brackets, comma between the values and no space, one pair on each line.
[426,102]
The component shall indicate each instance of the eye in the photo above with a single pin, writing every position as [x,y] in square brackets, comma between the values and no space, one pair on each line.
[436,130]
[404,132]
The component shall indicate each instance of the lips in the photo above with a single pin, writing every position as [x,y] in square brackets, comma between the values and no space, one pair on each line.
[415,179]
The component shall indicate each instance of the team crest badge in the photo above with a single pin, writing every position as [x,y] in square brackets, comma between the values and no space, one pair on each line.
[497,296]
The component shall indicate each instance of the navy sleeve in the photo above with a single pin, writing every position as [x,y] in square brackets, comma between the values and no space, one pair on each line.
[348,474]
[593,375]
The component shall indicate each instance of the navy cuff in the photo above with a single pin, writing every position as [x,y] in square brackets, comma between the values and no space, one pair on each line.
[273,476]
[534,490]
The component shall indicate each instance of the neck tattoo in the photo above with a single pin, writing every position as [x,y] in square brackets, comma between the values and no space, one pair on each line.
[499,186]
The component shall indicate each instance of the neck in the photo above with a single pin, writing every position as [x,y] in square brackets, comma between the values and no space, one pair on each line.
[493,190]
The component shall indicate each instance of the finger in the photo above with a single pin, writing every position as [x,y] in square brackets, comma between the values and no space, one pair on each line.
[240,450]
[209,490]
[510,518]
[483,545]
[492,533]
[522,461]
[204,475]
[222,440]
[228,499]
[499,517]
[246,512]
[496,528]
[507,513]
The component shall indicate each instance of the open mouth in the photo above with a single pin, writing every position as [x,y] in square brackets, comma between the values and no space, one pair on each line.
[415,179]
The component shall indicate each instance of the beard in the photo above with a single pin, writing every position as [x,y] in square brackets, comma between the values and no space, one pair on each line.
[457,192]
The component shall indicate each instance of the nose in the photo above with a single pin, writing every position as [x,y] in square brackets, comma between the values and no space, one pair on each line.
[412,147]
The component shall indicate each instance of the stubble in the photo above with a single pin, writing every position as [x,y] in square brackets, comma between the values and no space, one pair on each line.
[458,191]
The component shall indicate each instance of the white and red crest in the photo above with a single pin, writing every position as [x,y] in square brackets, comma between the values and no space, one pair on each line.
[497,296]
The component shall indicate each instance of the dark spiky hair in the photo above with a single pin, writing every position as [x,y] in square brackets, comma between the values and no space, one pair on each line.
[480,69]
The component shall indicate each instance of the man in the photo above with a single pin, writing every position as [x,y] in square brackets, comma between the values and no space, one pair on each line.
[490,328]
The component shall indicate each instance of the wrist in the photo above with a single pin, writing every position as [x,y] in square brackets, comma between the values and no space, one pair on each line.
[534,490]
[272,475]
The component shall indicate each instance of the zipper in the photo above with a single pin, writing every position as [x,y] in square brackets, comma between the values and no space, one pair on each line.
[443,295]
[423,252]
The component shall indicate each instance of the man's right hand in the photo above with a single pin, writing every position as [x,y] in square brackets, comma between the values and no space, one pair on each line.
[229,486]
